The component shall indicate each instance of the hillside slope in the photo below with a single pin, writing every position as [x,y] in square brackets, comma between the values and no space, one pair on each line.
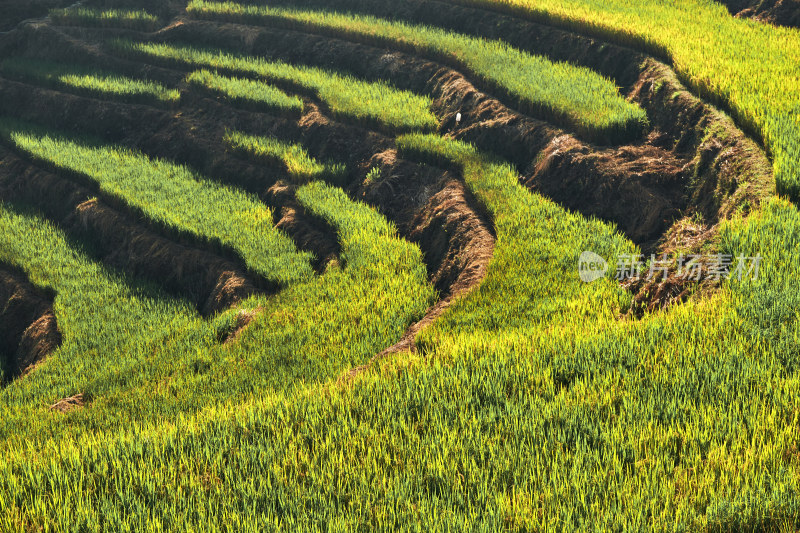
[315,265]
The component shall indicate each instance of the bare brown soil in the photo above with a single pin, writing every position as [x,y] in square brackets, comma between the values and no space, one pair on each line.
[651,294]
[778,12]
[67,404]
[28,328]
[243,319]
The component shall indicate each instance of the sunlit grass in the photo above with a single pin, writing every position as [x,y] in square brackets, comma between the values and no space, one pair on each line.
[575,97]
[113,18]
[293,157]
[252,94]
[88,80]
[347,97]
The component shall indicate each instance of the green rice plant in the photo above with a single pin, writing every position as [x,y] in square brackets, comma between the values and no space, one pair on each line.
[110,18]
[376,104]
[87,80]
[174,197]
[574,97]
[373,175]
[300,166]
[253,94]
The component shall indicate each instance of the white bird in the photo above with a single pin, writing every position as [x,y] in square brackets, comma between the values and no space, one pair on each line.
[458,118]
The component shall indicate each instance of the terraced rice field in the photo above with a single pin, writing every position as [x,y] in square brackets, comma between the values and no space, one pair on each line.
[322,266]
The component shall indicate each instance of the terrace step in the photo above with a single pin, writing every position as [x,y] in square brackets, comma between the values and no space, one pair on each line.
[28,327]
[211,282]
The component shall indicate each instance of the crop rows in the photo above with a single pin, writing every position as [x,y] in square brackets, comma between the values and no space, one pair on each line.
[533,403]
[296,336]
[370,103]
[174,197]
[575,97]
[745,65]
[115,18]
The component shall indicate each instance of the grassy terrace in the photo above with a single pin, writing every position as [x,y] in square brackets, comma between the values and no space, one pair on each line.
[168,371]
[571,96]
[375,104]
[110,326]
[533,405]
[750,67]
[87,80]
[110,18]
[148,363]
[248,93]
[293,157]
[175,197]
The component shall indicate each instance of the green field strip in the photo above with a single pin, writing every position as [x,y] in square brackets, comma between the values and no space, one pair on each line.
[109,18]
[101,315]
[748,67]
[87,80]
[372,104]
[574,97]
[252,94]
[174,196]
[294,159]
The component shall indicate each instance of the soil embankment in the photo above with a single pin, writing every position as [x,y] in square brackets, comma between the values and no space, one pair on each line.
[28,328]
